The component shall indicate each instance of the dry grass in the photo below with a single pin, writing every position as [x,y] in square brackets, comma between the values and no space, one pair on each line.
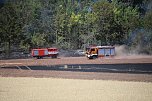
[50,89]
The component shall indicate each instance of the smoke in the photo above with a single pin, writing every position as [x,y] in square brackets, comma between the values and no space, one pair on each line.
[124,50]
[121,50]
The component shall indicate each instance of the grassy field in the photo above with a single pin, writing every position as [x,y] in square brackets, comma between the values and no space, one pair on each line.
[50,89]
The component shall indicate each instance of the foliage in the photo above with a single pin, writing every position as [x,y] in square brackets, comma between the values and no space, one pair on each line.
[105,18]
[127,19]
[73,24]
[10,26]
[148,20]
[38,40]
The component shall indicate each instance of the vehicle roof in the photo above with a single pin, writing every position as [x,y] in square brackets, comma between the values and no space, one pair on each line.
[40,49]
[43,48]
[102,47]
[105,47]
[52,48]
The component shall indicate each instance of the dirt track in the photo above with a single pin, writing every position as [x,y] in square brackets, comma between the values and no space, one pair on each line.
[75,75]
[76,60]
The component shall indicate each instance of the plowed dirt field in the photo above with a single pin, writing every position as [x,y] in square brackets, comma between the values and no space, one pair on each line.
[9,71]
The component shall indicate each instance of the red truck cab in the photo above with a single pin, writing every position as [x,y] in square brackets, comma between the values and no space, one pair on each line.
[44,52]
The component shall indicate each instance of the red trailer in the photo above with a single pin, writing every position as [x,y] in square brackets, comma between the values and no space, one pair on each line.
[45,52]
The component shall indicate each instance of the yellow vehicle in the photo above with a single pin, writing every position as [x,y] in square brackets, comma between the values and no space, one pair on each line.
[100,51]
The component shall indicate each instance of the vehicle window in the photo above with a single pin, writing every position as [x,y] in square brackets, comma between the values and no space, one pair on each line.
[92,49]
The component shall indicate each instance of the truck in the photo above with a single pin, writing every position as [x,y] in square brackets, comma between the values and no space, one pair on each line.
[93,52]
[44,52]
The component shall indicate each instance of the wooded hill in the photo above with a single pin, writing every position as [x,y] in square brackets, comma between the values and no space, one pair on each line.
[75,24]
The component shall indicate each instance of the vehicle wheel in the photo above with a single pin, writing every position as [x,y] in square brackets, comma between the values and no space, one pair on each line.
[94,57]
[39,57]
[90,57]
[54,56]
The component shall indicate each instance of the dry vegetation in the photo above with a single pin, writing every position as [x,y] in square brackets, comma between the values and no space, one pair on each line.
[57,89]
[49,89]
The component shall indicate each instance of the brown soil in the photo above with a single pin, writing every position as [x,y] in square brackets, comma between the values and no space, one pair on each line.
[75,75]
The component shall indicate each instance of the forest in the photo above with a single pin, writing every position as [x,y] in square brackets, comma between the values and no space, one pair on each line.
[75,24]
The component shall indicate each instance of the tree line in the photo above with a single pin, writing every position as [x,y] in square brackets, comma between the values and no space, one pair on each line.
[75,24]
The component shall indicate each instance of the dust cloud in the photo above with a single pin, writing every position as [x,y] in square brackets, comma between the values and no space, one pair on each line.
[123,51]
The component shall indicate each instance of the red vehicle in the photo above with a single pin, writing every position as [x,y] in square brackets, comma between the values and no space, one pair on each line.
[100,51]
[45,52]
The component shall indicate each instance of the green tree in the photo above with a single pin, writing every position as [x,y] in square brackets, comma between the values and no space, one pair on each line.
[10,26]
[105,18]
[148,21]
[147,25]
[38,40]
